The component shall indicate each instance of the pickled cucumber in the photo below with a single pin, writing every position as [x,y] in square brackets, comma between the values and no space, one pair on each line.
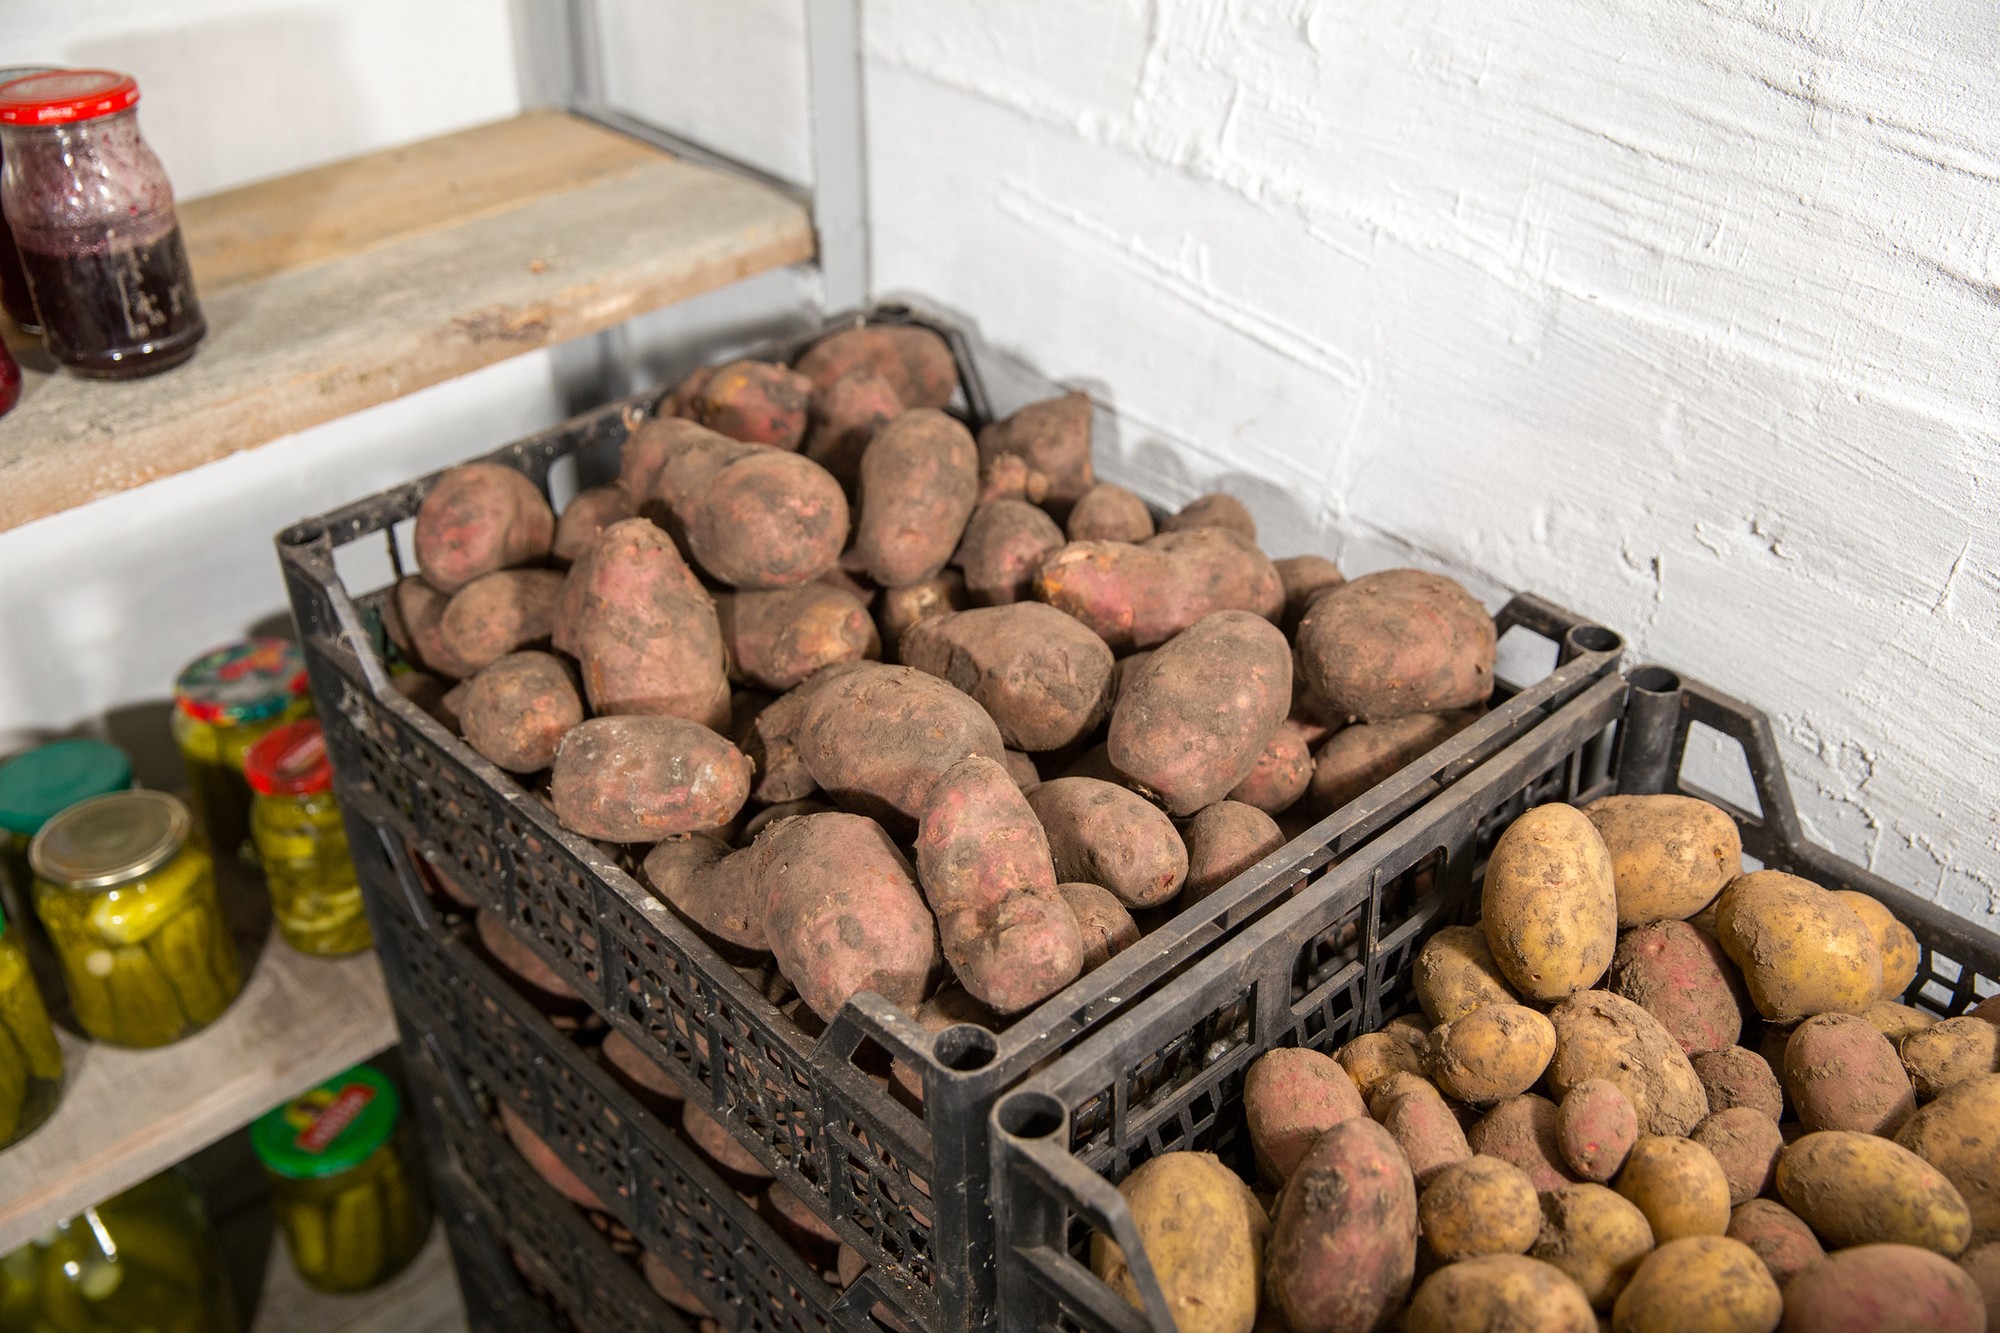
[315,896]
[197,958]
[23,1018]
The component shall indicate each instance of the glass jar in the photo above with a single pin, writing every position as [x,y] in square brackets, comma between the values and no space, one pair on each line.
[14,298]
[128,898]
[224,703]
[139,1260]
[93,218]
[42,782]
[344,1183]
[295,823]
[10,380]
[31,1063]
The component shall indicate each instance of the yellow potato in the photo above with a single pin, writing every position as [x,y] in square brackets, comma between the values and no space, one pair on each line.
[1499,1292]
[1455,974]
[1670,855]
[1204,1233]
[1479,1206]
[1856,1189]
[1802,950]
[1491,1053]
[1956,1135]
[1594,1236]
[1897,1021]
[1893,941]
[1946,1054]
[1710,1283]
[1678,1185]
[1548,907]
[1374,1056]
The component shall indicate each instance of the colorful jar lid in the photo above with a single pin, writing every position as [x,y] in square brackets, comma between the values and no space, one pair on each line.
[50,778]
[289,761]
[63,95]
[331,1129]
[108,840]
[243,682]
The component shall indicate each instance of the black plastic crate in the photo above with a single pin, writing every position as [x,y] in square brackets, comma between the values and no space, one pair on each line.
[803,1105]
[1334,963]
[479,1035]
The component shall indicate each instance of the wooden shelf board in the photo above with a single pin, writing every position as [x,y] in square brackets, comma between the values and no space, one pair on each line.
[357,283]
[127,1114]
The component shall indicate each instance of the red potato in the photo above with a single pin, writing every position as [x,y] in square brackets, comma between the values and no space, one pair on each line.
[1213,511]
[713,1139]
[1305,577]
[1053,436]
[1008,477]
[919,483]
[771,814]
[1596,1127]
[1681,977]
[753,401]
[1108,513]
[643,629]
[843,914]
[1141,596]
[901,608]
[480,517]
[1280,776]
[846,414]
[1106,927]
[638,1070]
[984,864]
[545,1162]
[716,889]
[411,618]
[587,515]
[1739,1077]
[778,637]
[1343,1247]
[1395,643]
[876,738]
[653,447]
[1842,1074]
[768,519]
[1103,834]
[1021,768]
[429,693]
[916,362]
[1044,679]
[798,1223]
[1223,841]
[641,779]
[1522,1130]
[1776,1235]
[1003,548]
[1746,1145]
[517,711]
[769,737]
[1884,1289]
[680,400]
[669,1287]
[1355,758]
[496,614]
[1423,1126]
[518,960]
[1291,1096]
[1195,718]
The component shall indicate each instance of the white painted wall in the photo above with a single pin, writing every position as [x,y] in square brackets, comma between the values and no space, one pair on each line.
[1683,312]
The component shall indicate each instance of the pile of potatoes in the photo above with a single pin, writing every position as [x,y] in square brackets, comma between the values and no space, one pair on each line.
[892,706]
[1647,1085]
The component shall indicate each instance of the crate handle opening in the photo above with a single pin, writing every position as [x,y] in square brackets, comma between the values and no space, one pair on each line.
[965,1047]
[1594,639]
[1031,1115]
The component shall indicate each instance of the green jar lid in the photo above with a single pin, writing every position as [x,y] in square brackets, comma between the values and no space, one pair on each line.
[242,682]
[51,778]
[331,1129]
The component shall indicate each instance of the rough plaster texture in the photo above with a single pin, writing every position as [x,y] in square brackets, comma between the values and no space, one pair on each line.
[1683,313]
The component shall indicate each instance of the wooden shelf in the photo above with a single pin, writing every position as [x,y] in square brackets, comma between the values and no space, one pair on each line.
[423,1298]
[352,284]
[128,1114]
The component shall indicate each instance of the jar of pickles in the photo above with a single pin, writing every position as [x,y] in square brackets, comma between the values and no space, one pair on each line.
[224,703]
[42,782]
[128,897]
[344,1184]
[31,1064]
[139,1260]
[295,824]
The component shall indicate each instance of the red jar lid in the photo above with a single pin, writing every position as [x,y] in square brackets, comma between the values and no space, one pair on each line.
[63,95]
[290,761]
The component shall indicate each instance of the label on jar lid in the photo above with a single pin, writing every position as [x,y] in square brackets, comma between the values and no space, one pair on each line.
[333,1128]
[243,682]
[59,96]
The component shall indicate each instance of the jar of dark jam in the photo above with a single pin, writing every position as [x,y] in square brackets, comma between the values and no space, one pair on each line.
[93,218]
[14,298]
